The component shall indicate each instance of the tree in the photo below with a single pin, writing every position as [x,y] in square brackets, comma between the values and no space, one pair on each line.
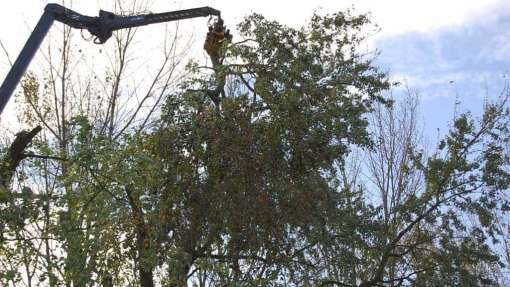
[241,175]
[436,220]
[237,185]
[67,236]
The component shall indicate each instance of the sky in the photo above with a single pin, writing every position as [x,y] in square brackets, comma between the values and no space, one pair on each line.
[445,50]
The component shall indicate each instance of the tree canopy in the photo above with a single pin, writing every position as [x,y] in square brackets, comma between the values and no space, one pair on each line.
[284,164]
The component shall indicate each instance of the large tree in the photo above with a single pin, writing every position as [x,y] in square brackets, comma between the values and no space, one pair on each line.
[435,216]
[55,216]
[238,179]
[242,178]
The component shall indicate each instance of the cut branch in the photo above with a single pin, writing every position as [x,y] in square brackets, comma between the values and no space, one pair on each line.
[15,154]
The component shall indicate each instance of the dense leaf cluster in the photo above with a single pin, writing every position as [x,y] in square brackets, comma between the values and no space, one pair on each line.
[249,178]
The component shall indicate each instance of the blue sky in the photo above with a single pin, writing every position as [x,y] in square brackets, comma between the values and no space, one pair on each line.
[467,61]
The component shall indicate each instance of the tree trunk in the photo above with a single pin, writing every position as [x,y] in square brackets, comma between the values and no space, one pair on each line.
[145,276]
[179,275]
[145,265]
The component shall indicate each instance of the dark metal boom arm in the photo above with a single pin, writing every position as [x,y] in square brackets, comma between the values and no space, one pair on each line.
[101,27]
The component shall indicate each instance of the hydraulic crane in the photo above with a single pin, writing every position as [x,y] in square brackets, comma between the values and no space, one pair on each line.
[101,27]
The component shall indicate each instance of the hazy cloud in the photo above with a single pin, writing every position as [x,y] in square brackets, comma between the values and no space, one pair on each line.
[473,55]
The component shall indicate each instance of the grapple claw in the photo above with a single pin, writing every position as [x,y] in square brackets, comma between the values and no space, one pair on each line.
[216,36]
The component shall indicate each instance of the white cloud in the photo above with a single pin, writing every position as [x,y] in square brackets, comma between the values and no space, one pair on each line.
[393,16]
[498,49]
[399,16]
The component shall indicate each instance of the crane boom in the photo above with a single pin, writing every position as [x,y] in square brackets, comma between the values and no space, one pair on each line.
[100,27]
[140,20]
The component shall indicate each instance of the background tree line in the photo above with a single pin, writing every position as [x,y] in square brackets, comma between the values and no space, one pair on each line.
[286,165]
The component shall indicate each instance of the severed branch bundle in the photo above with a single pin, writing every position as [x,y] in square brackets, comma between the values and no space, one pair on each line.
[216,38]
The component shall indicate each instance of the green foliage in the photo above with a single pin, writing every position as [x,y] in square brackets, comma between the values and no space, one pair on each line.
[252,188]
[256,172]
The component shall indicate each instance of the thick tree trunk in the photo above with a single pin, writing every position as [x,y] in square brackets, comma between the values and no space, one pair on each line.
[145,266]
[145,277]
[144,262]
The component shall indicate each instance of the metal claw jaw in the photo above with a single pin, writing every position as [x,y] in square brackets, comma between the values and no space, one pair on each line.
[102,30]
